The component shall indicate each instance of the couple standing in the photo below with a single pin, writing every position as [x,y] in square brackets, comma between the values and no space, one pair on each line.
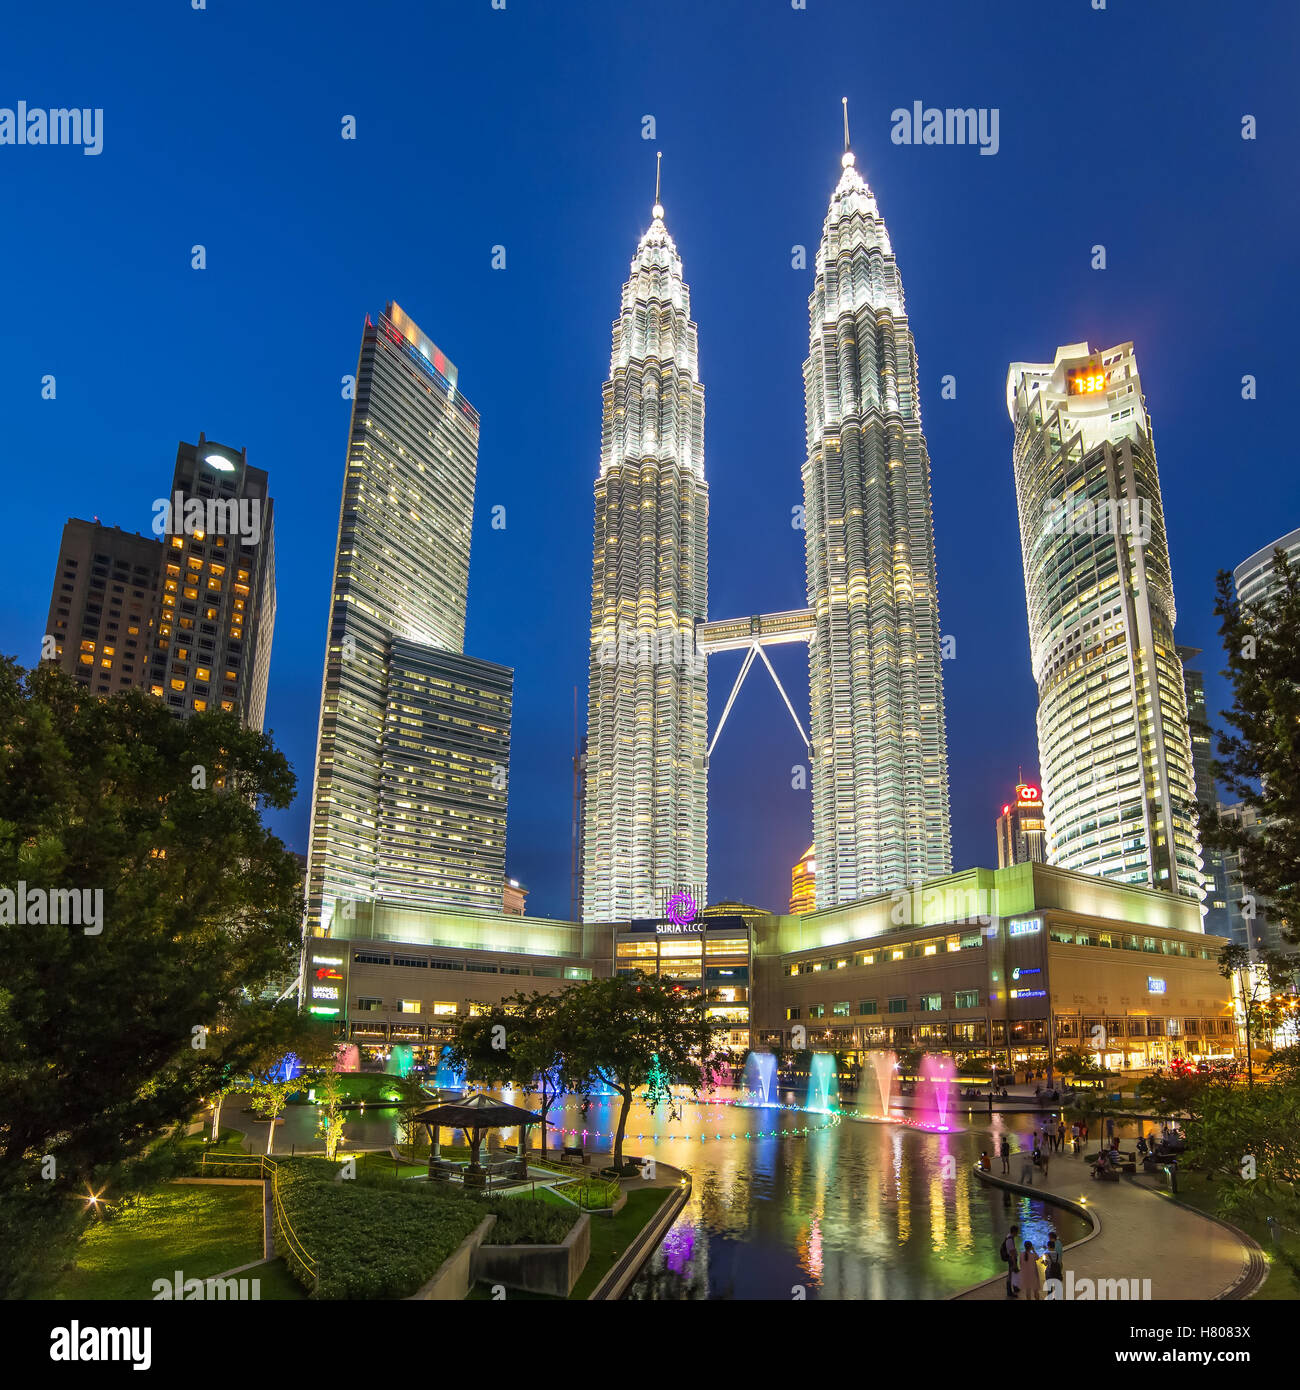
[1026,1269]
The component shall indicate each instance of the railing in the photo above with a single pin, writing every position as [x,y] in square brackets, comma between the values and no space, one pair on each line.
[592,1194]
[295,1254]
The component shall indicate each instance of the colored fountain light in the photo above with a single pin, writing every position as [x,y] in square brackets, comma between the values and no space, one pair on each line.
[884,1065]
[448,1078]
[347,1057]
[934,1094]
[399,1060]
[758,1081]
[822,1084]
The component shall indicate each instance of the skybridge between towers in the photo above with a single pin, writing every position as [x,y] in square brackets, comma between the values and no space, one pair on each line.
[751,635]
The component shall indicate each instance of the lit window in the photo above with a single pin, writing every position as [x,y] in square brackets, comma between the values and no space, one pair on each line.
[200,705]
[87,646]
[202,673]
[177,684]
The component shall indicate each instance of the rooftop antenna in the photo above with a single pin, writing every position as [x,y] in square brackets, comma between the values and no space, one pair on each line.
[846,159]
[658,209]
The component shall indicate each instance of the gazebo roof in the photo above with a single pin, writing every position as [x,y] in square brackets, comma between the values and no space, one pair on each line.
[478,1111]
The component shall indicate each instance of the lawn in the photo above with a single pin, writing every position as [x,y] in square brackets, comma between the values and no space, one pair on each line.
[1281,1282]
[201,1231]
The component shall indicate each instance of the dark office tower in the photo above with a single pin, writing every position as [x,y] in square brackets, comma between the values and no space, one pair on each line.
[1215,908]
[216,611]
[102,610]
[410,794]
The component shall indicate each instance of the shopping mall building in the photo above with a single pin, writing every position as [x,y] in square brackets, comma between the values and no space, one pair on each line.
[1022,962]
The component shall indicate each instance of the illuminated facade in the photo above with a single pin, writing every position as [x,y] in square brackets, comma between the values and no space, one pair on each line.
[646,824]
[880,770]
[1254,578]
[409,803]
[1114,747]
[803,883]
[1020,827]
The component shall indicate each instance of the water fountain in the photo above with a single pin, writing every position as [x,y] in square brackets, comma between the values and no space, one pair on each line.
[759,1079]
[934,1094]
[399,1060]
[448,1078]
[347,1057]
[884,1065]
[822,1083]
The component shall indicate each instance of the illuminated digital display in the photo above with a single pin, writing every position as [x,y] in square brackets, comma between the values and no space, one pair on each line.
[1025,926]
[1027,795]
[1087,381]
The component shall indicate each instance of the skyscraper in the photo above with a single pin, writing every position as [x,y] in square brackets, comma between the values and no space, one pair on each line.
[880,770]
[1214,868]
[1020,828]
[216,619]
[803,883]
[187,614]
[1253,578]
[1114,748]
[646,832]
[409,802]
[104,606]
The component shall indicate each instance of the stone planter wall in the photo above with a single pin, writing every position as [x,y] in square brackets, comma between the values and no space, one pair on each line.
[552,1269]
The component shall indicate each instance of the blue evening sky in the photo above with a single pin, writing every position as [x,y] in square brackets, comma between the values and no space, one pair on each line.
[522,127]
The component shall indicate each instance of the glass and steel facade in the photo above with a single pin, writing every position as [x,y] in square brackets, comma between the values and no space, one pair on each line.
[880,769]
[410,790]
[1114,748]
[646,812]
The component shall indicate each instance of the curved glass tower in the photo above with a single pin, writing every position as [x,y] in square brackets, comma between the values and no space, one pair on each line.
[1114,747]
[646,830]
[880,772]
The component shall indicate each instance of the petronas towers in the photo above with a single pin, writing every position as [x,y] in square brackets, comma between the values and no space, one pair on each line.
[879,771]
[880,779]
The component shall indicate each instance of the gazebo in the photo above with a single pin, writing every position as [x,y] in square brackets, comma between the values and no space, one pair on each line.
[475,1114]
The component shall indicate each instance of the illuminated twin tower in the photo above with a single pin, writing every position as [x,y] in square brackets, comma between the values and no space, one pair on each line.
[876,739]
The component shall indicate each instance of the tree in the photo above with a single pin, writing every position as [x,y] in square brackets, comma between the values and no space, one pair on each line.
[520,1043]
[1260,761]
[635,1031]
[332,1120]
[190,910]
[1266,987]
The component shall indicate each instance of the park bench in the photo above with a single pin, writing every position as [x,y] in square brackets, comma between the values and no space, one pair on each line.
[573,1155]
[440,1170]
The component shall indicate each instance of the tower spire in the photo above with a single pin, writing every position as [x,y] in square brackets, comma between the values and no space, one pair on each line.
[846,159]
[658,209]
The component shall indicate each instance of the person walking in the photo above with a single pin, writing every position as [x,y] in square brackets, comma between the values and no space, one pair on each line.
[1074,1136]
[1083,1133]
[1010,1253]
[1043,1160]
[1005,1154]
[1060,1135]
[1027,1167]
[1110,1126]
[1031,1274]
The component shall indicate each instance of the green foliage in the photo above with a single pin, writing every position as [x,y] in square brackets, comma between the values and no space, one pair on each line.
[329,1125]
[526,1221]
[1260,761]
[372,1237]
[201,911]
[534,1056]
[630,1030]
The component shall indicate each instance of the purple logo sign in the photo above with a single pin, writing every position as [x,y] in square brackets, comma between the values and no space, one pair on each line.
[680,909]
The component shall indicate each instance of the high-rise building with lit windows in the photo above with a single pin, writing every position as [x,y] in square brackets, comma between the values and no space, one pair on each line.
[646,832]
[187,614]
[1020,827]
[409,802]
[803,883]
[1114,748]
[212,649]
[880,762]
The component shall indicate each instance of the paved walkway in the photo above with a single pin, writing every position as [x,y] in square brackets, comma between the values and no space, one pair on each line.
[1143,1235]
